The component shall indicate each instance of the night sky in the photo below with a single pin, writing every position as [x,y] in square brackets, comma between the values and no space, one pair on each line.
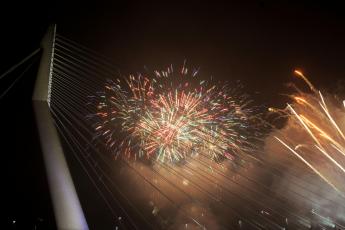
[259,42]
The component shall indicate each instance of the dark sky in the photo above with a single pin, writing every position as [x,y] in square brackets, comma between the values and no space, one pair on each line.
[258,42]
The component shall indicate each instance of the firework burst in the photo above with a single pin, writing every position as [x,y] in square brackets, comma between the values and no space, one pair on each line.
[171,116]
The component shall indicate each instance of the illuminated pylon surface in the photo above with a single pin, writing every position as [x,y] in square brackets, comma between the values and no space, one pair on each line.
[67,208]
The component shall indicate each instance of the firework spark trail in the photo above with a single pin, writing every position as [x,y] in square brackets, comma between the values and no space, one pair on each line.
[304,125]
[314,116]
[309,165]
[300,74]
[324,107]
[330,158]
[165,120]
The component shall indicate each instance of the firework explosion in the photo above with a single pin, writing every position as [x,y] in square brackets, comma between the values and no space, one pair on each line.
[171,116]
[322,120]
